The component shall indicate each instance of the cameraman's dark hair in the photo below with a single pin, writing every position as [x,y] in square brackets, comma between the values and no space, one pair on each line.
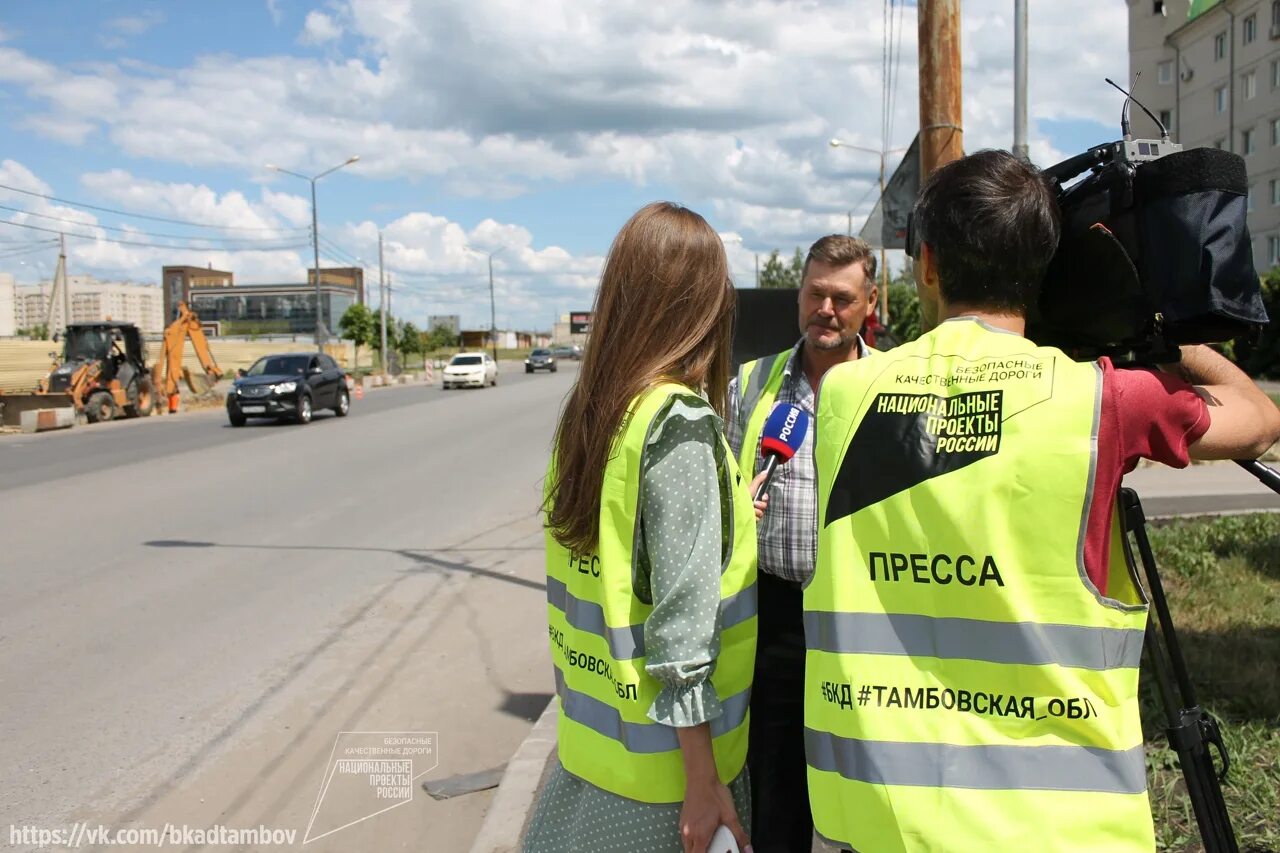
[992,222]
[840,251]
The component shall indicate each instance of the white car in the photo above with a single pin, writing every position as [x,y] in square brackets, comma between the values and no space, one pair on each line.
[471,369]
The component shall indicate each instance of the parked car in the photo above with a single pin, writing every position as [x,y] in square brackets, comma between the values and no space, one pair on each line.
[289,386]
[540,359]
[566,351]
[470,370]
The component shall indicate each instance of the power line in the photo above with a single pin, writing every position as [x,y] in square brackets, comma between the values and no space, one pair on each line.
[146,216]
[41,247]
[155,245]
[897,76]
[129,230]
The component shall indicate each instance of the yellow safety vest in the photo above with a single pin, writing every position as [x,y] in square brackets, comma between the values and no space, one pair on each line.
[596,624]
[967,688]
[759,382]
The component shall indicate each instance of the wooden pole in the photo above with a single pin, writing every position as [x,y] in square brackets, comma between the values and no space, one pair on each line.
[941,132]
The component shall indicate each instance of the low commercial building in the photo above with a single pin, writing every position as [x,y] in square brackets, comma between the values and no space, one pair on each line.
[271,309]
[180,280]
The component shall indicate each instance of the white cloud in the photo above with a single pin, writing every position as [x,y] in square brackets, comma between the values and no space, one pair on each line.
[273,9]
[727,106]
[319,29]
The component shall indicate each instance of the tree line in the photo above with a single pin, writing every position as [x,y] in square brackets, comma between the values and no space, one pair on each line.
[364,328]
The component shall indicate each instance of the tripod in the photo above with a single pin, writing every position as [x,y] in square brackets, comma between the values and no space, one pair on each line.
[1191,730]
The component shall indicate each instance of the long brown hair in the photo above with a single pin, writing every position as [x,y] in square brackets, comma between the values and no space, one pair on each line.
[664,312]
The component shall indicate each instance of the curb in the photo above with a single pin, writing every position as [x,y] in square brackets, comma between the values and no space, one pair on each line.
[505,821]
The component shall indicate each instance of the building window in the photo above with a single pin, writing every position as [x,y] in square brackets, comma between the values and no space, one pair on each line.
[1164,72]
[1273,250]
[1248,200]
[1220,98]
[1249,86]
[1157,7]
[1275,15]
[1220,46]
[1275,192]
[1275,74]
[1166,118]
[1249,31]
[1247,141]
[1275,132]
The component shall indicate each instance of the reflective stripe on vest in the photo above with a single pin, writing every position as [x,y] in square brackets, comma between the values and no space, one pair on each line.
[596,625]
[605,720]
[943,765]
[759,382]
[628,642]
[966,686]
[974,639]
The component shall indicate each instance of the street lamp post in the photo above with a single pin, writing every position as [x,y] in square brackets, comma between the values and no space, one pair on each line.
[884,268]
[315,237]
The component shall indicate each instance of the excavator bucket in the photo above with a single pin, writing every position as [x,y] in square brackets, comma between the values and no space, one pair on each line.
[13,405]
[201,384]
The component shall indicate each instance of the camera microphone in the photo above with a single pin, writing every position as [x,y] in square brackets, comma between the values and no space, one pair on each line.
[783,433]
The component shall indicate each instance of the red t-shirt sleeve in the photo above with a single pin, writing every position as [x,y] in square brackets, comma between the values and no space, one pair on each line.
[1146,414]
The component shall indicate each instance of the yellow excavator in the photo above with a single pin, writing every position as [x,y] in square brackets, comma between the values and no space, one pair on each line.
[168,368]
[103,373]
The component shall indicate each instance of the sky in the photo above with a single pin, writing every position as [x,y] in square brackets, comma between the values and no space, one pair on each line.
[530,131]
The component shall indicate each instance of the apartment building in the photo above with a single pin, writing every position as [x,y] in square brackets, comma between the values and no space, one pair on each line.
[91,301]
[1210,70]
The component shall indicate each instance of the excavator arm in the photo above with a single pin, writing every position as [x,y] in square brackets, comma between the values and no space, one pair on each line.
[169,367]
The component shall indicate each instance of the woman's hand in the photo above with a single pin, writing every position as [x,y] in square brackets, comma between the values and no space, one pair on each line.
[762,504]
[707,805]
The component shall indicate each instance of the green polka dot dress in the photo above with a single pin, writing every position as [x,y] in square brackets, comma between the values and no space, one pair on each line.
[678,569]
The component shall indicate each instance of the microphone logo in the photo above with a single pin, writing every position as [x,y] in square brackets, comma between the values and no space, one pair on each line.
[789,424]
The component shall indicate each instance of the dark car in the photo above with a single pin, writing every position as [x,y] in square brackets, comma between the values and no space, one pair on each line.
[540,359]
[291,386]
[572,351]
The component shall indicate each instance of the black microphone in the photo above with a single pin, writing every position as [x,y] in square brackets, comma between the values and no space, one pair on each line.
[783,433]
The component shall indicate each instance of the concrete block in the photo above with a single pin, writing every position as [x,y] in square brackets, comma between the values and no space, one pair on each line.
[43,420]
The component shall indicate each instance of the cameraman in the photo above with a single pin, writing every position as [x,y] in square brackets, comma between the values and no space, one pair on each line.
[973,632]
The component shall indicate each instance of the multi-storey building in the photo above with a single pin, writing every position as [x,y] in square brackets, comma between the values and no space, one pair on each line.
[1210,70]
[91,301]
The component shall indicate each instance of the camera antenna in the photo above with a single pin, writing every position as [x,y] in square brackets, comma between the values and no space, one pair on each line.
[1124,112]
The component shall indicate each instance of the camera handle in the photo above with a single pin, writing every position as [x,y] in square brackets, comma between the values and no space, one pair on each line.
[1269,476]
[1191,729]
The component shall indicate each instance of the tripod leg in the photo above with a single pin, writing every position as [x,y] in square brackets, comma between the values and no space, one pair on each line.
[1190,729]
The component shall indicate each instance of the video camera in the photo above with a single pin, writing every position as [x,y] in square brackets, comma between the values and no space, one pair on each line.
[1154,252]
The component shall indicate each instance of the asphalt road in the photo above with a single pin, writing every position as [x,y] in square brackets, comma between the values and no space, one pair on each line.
[191,614]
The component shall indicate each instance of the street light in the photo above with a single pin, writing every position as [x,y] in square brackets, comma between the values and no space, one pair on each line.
[884,267]
[493,315]
[315,236]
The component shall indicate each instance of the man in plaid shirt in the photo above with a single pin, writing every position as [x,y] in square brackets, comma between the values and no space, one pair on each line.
[837,293]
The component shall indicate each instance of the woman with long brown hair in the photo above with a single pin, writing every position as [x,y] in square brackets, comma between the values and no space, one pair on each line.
[650,560]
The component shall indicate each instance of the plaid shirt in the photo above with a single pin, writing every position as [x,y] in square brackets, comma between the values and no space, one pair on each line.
[787,538]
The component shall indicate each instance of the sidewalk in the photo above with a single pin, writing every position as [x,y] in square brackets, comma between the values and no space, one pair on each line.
[1215,488]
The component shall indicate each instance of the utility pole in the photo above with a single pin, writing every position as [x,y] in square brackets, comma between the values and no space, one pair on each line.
[382,306]
[493,316]
[1020,149]
[757,270]
[941,134]
[66,285]
[849,231]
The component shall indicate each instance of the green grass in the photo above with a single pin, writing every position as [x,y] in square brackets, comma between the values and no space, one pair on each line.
[1222,577]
